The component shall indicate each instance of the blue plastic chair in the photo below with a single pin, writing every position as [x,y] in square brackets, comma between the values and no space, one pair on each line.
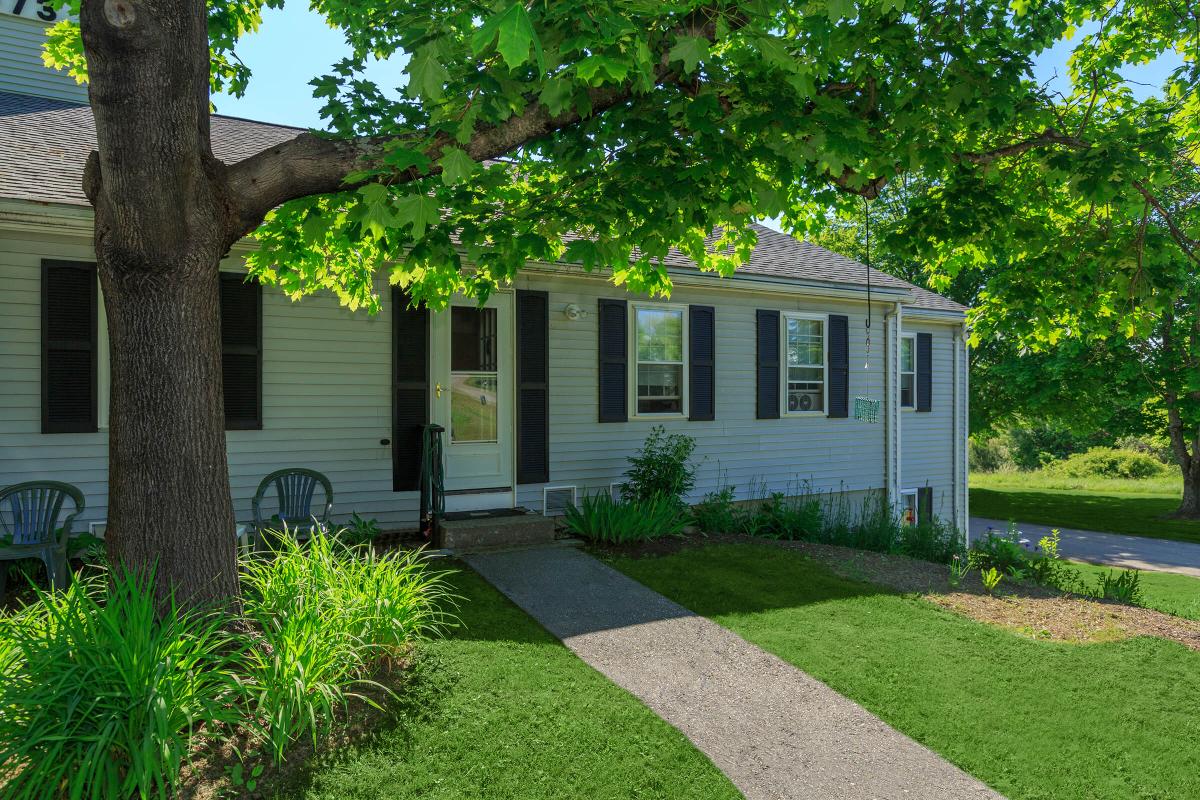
[294,491]
[29,522]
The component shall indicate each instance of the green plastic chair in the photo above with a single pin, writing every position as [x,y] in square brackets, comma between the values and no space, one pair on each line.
[294,490]
[29,522]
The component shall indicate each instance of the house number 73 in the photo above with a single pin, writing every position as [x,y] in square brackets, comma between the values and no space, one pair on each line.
[34,8]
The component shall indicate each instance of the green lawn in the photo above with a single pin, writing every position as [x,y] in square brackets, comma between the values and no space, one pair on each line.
[524,718]
[1111,506]
[1033,719]
[1164,591]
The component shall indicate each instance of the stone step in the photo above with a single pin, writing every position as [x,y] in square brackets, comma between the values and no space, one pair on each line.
[471,534]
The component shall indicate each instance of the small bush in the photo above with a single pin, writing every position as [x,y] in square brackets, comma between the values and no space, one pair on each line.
[988,455]
[1003,551]
[780,517]
[1108,462]
[101,697]
[716,513]
[357,530]
[1123,588]
[930,540]
[662,468]
[1157,447]
[602,519]
[1035,445]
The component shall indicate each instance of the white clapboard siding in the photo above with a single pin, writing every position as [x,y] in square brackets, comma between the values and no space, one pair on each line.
[21,67]
[927,437]
[753,455]
[327,403]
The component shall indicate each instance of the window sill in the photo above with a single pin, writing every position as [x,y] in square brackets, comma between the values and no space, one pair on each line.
[789,414]
[654,417]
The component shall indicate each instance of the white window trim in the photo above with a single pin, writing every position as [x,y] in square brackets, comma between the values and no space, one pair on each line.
[783,367]
[912,337]
[916,504]
[634,414]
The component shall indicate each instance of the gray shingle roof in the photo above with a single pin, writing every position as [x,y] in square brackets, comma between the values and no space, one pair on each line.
[46,142]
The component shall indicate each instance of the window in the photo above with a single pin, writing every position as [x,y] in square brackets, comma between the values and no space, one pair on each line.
[804,348]
[659,359]
[474,378]
[908,371]
[909,509]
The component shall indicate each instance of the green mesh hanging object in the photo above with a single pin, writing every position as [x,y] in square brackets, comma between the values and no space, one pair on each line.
[866,409]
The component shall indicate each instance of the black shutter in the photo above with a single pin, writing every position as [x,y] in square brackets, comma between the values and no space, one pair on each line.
[533,387]
[410,389]
[614,360]
[241,351]
[925,504]
[839,366]
[768,365]
[702,359]
[68,347]
[924,372]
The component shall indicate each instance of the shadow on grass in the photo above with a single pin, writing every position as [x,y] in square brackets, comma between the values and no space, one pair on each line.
[1121,514]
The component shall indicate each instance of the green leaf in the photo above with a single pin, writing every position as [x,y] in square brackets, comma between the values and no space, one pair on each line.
[689,50]
[513,32]
[419,211]
[426,75]
[840,9]
[596,70]
[402,158]
[556,95]
[456,165]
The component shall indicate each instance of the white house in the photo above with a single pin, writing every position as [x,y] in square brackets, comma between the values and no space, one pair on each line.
[544,392]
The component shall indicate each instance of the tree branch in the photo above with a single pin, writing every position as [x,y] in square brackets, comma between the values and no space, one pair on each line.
[309,164]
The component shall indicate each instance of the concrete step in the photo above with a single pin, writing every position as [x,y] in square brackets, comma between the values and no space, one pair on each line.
[472,534]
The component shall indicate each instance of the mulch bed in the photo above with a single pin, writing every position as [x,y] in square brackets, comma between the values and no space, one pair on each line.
[1031,610]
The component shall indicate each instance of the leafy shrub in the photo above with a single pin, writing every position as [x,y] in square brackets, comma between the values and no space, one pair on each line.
[780,517]
[1001,551]
[1108,462]
[662,468]
[330,616]
[1157,447]
[716,512]
[1123,588]
[1035,445]
[988,455]
[101,697]
[602,519]
[358,530]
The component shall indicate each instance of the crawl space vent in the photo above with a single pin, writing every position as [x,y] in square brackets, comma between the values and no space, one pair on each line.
[555,500]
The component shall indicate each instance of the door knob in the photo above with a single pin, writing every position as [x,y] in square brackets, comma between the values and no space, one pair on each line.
[438,389]
[385,442]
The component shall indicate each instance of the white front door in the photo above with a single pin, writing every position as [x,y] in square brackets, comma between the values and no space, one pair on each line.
[471,355]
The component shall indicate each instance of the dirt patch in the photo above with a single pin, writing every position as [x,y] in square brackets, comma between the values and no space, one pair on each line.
[1032,610]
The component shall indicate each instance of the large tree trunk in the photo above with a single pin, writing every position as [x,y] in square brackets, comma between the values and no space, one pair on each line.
[163,222]
[1189,507]
[169,500]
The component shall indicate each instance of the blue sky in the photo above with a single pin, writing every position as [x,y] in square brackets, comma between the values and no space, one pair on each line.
[295,45]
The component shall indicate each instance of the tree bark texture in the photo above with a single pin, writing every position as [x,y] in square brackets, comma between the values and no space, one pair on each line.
[161,222]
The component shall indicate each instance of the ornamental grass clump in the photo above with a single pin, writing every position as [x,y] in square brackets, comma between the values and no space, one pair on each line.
[103,697]
[106,694]
[330,616]
[600,518]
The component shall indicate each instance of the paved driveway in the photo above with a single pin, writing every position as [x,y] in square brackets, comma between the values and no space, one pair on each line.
[1129,552]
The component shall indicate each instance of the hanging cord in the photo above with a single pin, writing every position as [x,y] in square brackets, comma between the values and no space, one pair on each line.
[867,225]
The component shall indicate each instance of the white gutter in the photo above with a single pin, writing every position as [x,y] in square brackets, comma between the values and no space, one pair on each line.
[955,448]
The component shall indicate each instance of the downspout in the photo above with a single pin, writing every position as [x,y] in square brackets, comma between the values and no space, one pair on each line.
[966,412]
[891,366]
[955,433]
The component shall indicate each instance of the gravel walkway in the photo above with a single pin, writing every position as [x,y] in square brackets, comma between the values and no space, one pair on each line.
[1112,549]
[775,731]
